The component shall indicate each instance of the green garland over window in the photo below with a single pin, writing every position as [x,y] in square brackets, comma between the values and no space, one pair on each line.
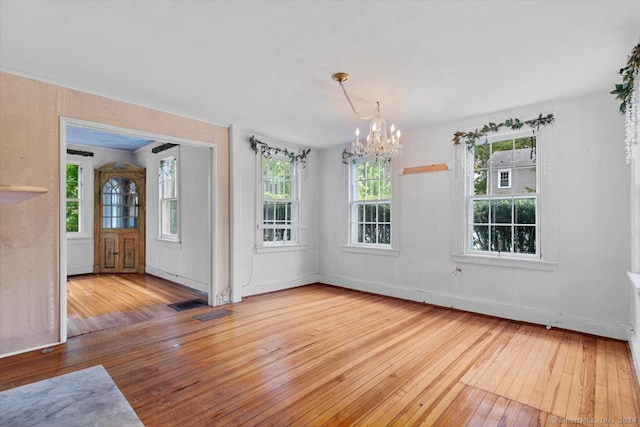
[348,156]
[624,90]
[267,151]
[470,138]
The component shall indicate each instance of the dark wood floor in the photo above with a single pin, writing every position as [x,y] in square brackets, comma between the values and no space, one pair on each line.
[320,355]
[101,301]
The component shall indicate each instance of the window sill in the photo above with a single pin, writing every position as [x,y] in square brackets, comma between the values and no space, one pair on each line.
[289,247]
[495,261]
[370,250]
[171,244]
[77,237]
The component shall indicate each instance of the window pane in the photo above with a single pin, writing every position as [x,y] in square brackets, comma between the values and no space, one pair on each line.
[169,217]
[529,142]
[173,217]
[523,180]
[481,156]
[501,238]
[525,211]
[384,212]
[481,211]
[501,211]
[363,190]
[480,182]
[384,233]
[480,238]
[525,239]
[369,236]
[267,235]
[73,181]
[370,213]
[268,213]
[73,217]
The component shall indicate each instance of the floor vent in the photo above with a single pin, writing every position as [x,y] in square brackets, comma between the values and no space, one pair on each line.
[188,305]
[213,315]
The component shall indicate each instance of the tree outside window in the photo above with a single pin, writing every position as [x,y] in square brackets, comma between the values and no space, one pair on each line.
[371,202]
[74,192]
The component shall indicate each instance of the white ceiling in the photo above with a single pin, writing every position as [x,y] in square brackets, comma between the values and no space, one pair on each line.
[266,65]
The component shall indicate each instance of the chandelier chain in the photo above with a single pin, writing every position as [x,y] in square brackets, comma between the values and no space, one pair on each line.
[370,116]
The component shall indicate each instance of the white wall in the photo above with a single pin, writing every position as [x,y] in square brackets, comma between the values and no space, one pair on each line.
[587,290]
[189,261]
[634,336]
[80,249]
[256,272]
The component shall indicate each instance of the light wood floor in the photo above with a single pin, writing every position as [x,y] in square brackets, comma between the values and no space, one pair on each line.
[101,301]
[320,355]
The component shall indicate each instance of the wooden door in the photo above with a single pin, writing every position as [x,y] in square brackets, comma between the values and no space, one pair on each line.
[119,219]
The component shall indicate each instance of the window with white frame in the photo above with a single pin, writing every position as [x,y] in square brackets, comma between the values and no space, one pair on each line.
[168,191]
[74,203]
[504,178]
[370,203]
[279,201]
[503,197]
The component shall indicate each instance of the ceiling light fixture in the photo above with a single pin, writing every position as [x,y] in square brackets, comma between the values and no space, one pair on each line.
[380,143]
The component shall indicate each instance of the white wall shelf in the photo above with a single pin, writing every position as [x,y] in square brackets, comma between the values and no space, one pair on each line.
[12,194]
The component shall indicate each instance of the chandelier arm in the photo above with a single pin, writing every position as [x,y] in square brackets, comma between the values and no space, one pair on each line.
[370,116]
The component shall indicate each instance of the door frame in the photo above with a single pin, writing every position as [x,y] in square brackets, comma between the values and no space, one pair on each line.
[211,192]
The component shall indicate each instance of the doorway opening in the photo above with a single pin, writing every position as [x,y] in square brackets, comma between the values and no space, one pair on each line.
[114,223]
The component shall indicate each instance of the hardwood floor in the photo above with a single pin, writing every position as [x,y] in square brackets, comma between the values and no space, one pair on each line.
[100,301]
[320,355]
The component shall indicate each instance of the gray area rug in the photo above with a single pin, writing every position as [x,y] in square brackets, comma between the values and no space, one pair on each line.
[88,397]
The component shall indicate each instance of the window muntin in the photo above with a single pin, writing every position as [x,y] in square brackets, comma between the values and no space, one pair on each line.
[120,204]
[502,199]
[169,202]
[74,198]
[279,223]
[370,204]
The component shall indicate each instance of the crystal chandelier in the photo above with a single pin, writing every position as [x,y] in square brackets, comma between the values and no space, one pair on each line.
[380,143]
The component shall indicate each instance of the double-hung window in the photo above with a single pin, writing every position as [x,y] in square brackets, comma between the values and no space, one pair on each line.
[74,206]
[168,201]
[503,197]
[280,201]
[370,203]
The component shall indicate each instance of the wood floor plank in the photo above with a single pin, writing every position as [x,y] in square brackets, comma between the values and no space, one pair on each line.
[321,355]
[101,301]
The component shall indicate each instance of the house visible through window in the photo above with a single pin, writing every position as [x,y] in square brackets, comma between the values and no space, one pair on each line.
[504,178]
[370,203]
[74,197]
[279,201]
[169,203]
[502,198]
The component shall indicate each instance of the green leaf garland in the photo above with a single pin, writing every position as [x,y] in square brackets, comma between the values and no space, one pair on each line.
[470,138]
[624,90]
[267,151]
